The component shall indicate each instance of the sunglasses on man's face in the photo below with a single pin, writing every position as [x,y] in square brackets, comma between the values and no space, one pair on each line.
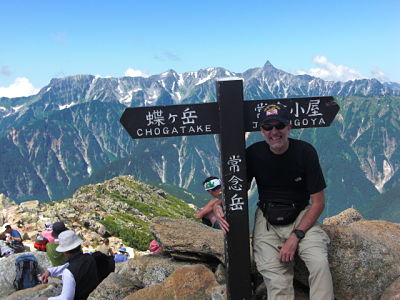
[278,126]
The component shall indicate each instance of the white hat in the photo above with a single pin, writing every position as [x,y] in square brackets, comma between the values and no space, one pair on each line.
[68,240]
[48,225]
[6,225]
[212,184]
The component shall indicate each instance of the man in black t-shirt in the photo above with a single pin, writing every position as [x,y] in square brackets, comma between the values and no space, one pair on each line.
[288,175]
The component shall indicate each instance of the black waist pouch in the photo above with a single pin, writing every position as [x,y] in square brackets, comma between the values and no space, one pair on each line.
[280,212]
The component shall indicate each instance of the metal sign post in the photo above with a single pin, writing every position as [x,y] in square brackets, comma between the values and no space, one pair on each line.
[230,117]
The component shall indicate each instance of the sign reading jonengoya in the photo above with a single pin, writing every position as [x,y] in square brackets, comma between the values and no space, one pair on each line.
[171,120]
[199,119]
[304,112]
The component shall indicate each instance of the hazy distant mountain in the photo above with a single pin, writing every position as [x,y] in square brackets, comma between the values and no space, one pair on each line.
[69,133]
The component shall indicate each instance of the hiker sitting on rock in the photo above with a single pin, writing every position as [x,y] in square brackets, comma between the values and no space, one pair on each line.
[288,175]
[121,256]
[13,238]
[213,186]
[79,274]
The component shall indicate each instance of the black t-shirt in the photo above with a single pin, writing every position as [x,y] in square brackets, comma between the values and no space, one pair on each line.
[293,175]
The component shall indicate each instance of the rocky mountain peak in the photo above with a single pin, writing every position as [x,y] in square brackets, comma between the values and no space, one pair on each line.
[120,207]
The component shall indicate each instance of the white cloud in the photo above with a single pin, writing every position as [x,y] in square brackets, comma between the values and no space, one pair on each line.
[135,73]
[378,74]
[329,71]
[20,88]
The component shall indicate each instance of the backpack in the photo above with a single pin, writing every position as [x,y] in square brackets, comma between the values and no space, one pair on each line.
[26,273]
[105,264]
[40,243]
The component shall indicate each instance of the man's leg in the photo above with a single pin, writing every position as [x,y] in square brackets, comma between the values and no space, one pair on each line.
[278,276]
[313,250]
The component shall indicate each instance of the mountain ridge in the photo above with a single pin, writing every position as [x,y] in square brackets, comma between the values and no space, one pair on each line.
[70,130]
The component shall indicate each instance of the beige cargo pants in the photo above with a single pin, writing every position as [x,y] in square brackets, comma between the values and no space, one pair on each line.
[278,276]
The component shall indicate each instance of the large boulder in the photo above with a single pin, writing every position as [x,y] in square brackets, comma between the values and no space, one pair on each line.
[136,274]
[187,283]
[7,270]
[188,239]
[364,258]
[38,292]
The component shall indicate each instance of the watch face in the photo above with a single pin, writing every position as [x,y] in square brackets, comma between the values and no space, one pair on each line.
[299,233]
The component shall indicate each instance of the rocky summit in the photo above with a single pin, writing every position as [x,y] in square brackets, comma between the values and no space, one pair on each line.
[120,208]
[363,256]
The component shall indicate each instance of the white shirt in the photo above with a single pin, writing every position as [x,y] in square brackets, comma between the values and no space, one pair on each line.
[68,280]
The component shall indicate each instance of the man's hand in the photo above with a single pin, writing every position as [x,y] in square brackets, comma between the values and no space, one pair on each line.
[287,252]
[45,275]
[219,213]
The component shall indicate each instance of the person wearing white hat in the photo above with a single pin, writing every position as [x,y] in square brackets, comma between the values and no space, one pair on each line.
[212,185]
[79,274]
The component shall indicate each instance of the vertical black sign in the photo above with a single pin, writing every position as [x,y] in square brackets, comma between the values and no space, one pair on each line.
[233,167]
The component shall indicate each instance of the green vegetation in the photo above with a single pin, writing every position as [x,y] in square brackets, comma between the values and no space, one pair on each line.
[138,236]
[145,202]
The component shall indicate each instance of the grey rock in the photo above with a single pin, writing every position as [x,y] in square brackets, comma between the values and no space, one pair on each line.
[217,293]
[136,274]
[186,283]
[220,274]
[188,238]
[364,259]
[346,217]
[38,292]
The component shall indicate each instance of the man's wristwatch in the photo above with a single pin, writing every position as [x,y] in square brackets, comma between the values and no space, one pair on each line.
[299,233]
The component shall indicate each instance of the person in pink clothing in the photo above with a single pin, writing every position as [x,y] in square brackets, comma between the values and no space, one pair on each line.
[47,232]
[155,247]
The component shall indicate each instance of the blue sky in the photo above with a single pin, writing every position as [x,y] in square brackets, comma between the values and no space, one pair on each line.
[333,40]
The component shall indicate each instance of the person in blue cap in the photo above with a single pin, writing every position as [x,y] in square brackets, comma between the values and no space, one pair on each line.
[121,255]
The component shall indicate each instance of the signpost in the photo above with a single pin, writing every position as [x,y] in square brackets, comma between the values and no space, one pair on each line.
[230,117]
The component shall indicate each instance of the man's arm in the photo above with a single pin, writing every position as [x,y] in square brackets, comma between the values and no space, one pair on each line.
[54,272]
[68,289]
[206,209]
[219,213]
[310,217]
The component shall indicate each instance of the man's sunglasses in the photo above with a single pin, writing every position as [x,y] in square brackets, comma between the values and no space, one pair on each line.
[278,126]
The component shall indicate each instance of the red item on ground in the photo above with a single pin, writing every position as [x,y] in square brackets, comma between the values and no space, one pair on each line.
[155,247]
